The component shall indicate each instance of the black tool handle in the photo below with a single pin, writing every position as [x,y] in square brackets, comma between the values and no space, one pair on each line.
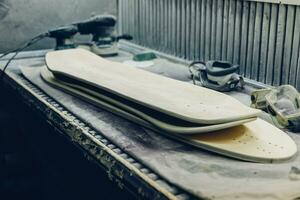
[63,32]
[91,25]
[124,37]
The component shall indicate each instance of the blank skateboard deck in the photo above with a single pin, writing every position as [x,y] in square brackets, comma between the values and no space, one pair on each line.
[172,97]
[256,141]
[113,105]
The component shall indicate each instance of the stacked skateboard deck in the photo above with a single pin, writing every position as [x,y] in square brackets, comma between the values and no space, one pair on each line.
[168,96]
[191,114]
[160,120]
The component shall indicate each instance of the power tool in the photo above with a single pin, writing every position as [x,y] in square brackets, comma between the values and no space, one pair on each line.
[104,39]
[63,36]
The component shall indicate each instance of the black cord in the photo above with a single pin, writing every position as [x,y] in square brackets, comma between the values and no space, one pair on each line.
[10,51]
[6,53]
[17,50]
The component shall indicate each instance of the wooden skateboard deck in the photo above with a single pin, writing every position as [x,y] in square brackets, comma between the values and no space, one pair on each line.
[171,97]
[118,107]
[255,141]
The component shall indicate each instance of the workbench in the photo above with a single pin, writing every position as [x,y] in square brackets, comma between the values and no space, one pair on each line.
[149,165]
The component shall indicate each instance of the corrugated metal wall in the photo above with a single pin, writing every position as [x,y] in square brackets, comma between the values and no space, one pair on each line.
[264,38]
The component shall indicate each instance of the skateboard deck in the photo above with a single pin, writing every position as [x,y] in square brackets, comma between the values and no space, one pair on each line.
[165,95]
[117,106]
[255,141]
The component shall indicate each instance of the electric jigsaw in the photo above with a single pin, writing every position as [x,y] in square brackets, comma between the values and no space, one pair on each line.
[104,38]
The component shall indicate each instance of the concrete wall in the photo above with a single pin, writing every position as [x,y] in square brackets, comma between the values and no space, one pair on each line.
[21,20]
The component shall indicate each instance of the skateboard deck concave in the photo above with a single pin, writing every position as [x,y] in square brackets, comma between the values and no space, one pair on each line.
[175,98]
[106,102]
[256,141]
[168,126]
